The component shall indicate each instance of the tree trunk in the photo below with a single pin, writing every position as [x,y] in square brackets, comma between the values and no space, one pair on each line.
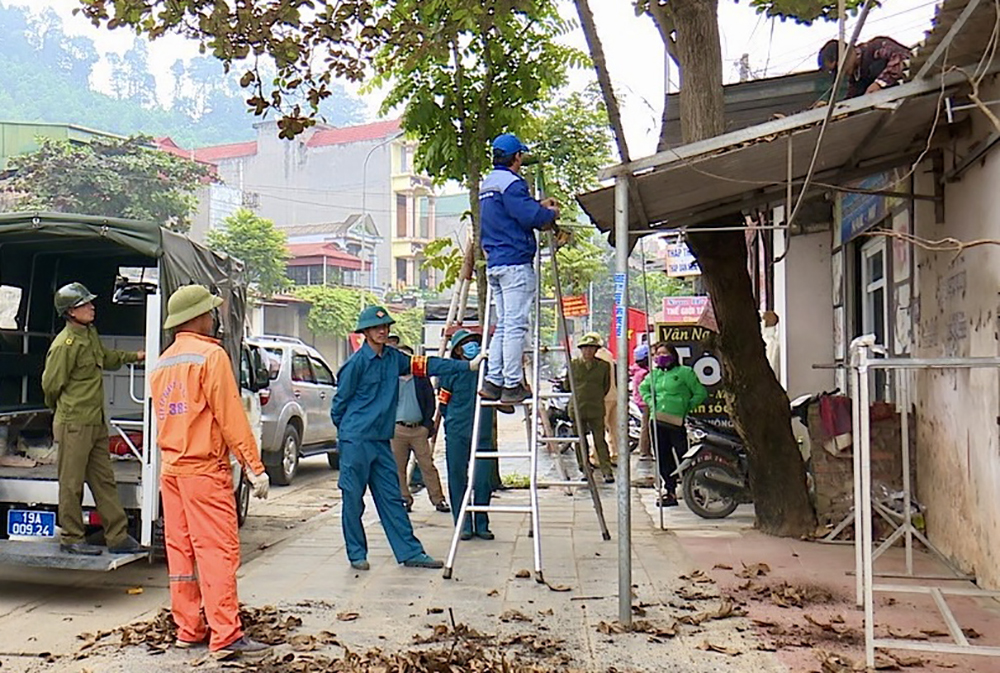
[478,267]
[758,403]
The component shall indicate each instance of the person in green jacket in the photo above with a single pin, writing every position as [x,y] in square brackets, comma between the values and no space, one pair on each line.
[73,384]
[672,391]
[591,382]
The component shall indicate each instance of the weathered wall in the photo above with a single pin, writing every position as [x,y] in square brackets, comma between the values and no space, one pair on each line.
[957,410]
[809,314]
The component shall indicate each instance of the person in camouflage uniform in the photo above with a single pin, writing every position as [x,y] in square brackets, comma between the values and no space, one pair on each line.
[73,385]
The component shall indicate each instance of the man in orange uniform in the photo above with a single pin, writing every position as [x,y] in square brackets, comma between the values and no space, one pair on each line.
[201,420]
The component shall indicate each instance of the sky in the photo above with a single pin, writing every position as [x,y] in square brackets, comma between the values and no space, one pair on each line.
[632,46]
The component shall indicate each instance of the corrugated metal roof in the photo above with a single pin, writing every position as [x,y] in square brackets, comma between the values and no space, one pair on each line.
[354,134]
[702,181]
[969,45]
[218,153]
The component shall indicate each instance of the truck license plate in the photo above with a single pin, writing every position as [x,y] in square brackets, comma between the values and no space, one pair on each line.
[31,523]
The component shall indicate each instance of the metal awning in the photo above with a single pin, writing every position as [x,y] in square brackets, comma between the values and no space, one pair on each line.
[702,181]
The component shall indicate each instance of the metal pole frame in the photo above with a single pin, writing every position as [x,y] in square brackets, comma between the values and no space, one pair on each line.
[624,486]
[861,364]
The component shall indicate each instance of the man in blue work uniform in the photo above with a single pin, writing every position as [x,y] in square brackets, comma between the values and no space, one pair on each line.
[457,400]
[364,411]
[509,217]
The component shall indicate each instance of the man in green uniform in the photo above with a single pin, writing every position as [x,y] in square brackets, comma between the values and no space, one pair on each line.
[592,381]
[74,388]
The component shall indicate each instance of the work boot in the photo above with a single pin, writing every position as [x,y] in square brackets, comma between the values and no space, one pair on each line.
[422,560]
[442,507]
[609,479]
[490,391]
[128,546]
[667,500]
[361,565]
[515,395]
[81,549]
[465,535]
[190,644]
[485,535]
[247,647]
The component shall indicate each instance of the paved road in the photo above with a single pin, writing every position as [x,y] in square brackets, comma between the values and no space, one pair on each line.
[43,610]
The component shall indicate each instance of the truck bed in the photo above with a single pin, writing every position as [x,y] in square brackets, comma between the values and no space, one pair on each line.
[126,472]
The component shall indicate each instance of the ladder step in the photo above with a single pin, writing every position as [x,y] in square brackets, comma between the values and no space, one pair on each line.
[549,349]
[503,454]
[500,509]
[555,396]
[563,484]
[558,440]
[498,403]
[549,301]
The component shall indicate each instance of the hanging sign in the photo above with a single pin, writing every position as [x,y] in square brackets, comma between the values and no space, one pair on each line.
[683,309]
[575,306]
[679,261]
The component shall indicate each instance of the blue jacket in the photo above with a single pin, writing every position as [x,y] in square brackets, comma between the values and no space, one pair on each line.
[508,217]
[364,407]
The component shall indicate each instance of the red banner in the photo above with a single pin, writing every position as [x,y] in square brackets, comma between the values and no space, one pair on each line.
[355,341]
[637,326]
[575,306]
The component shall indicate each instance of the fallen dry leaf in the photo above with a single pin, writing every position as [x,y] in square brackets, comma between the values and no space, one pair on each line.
[698,577]
[435,611]
[725,610]
[522,574]
[721,649]
[971,633]
[562,588]
[755,570]
[133,591]
[514,616]
[347,616]
[722,566]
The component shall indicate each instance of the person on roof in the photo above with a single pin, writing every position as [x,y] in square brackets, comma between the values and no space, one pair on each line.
[364,411]
[457,398]
[73,384]
[872,66]
[509,217]
[201,421]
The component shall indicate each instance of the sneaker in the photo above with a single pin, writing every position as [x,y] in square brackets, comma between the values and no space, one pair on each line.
[609,479]
[190,644]
[129,546]
[361,565]
[442,507]
[465,535]
[81,549]
[246,646]
[505,408]
[668,500]
[515,395]
[485,535]
[422,560]
[490,391]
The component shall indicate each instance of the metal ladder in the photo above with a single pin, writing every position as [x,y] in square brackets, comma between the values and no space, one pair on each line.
[534,409]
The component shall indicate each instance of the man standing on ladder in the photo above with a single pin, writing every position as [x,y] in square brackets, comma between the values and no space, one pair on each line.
[364,411]
[509,217]
[592,380]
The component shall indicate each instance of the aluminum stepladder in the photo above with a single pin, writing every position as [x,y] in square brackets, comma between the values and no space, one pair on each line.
[534,409]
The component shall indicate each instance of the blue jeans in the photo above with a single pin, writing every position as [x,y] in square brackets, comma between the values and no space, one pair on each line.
[514,294]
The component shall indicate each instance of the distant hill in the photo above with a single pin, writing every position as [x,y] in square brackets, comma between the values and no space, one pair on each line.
[46,78]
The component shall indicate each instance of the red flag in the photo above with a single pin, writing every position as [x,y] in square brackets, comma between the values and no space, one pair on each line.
[637,325]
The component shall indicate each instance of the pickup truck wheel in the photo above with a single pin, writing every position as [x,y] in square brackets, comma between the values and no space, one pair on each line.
[283,473]
[242,501]
[333,458]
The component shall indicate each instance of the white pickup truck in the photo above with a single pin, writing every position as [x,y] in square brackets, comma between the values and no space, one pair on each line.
[132,267]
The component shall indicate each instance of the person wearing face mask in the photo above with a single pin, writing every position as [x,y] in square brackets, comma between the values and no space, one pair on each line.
[457,400]
[672,391]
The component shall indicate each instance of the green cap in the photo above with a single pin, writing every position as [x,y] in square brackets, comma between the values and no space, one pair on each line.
[373,316]
[591,339]
[72,296]
[187,303]
[460,336]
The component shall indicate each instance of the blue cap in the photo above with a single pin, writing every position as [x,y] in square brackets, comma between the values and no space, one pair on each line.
[641,352]
[508,144]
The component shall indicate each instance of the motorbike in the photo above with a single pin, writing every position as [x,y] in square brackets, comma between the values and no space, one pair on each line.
[715,470]
[557,411]
[634,425]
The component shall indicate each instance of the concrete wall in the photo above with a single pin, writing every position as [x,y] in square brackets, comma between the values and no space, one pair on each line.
[957,312]
[290,320]
[808,314]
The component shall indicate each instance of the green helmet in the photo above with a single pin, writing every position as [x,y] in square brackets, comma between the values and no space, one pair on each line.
[72,296]
[460,336]
[591,339]
[373,316]
[187,303]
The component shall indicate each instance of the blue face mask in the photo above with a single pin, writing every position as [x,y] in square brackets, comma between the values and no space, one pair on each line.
[470,350]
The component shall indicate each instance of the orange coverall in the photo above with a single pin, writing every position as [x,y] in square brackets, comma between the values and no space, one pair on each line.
[201,420]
